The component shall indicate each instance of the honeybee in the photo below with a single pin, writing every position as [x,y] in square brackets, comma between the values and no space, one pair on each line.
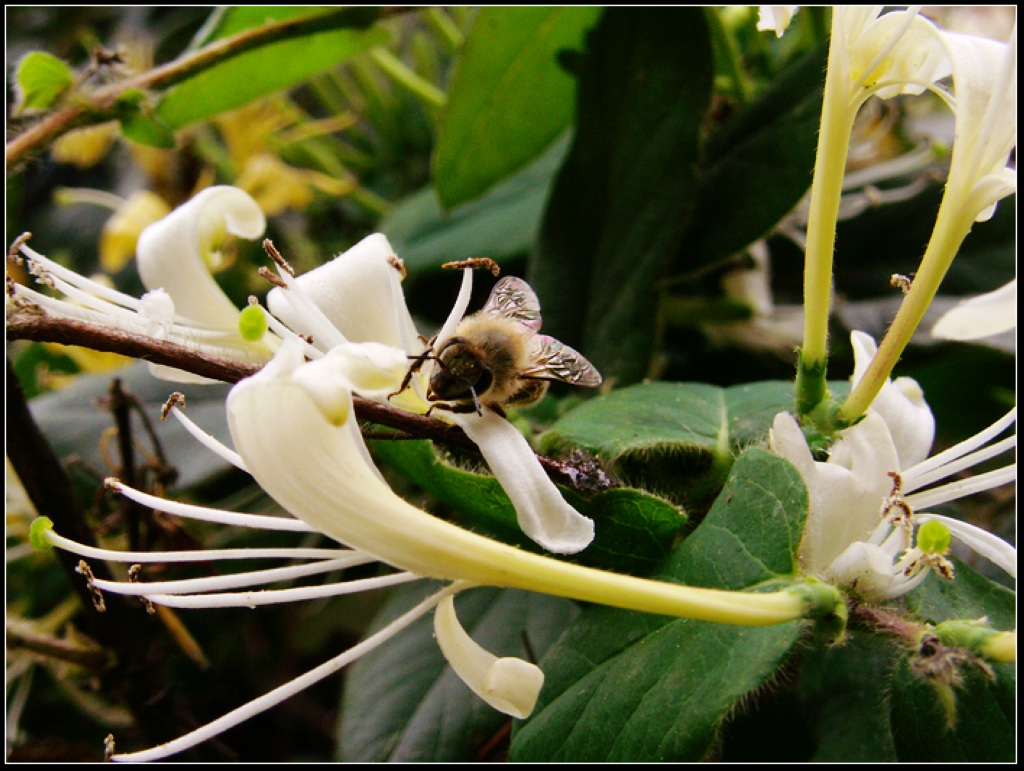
[496,358]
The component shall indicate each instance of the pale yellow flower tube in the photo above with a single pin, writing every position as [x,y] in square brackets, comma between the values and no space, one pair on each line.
[317,469]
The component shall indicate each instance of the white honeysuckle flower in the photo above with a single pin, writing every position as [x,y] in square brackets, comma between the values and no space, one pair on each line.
[866,500]
[295,432]
[982,316]
[984,101]
[775,18]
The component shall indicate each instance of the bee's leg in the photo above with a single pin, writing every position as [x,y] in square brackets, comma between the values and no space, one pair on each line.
[460,407]
[416,366]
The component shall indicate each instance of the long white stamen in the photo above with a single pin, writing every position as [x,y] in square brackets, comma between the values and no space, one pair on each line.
[276,596]
[922,480]
[988,545]
[955,490]
[209,441]
[111,315]
[958,450]
[286,333]
[200,555]
[81,297]
[93,287]
[461,304]
[205,514]
[286,691]
[214,583]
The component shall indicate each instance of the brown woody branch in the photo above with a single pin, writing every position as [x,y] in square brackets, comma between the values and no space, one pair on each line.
[30,324]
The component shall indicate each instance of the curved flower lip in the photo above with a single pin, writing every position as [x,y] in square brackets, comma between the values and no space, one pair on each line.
[775,18]
[174,253]
[508,684]
[886,54]
[319,470]
[541,511]
[983,316]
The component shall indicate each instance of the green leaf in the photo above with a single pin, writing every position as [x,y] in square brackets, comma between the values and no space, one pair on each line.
[679,438]
[620,203]
[226,21]
[985,724]
[508,99]
[845,692]
[139,124]
[270,68]
[757,168]
[501,225]
[633,530]
[627,686]
[40,79]
[402,702]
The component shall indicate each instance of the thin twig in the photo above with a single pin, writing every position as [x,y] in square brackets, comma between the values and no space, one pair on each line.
[101,104]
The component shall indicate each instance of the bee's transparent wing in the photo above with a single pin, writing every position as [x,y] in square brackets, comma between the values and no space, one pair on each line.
[512,298]
[552,359]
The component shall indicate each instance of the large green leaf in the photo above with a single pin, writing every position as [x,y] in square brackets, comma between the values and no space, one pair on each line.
[403,702]
[757,167]
[633,530]
[845,690]
[969,596]
[330,37]
[629,686]
[74,424]
[508,98]
[620,203]
[985,726]
[501,225]
[679,438]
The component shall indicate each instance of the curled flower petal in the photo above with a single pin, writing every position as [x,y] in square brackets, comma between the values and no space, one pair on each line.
[508,684]
[775,18]
[985,87]
[981,316]
[901,405]
[175,253]
[541,510]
